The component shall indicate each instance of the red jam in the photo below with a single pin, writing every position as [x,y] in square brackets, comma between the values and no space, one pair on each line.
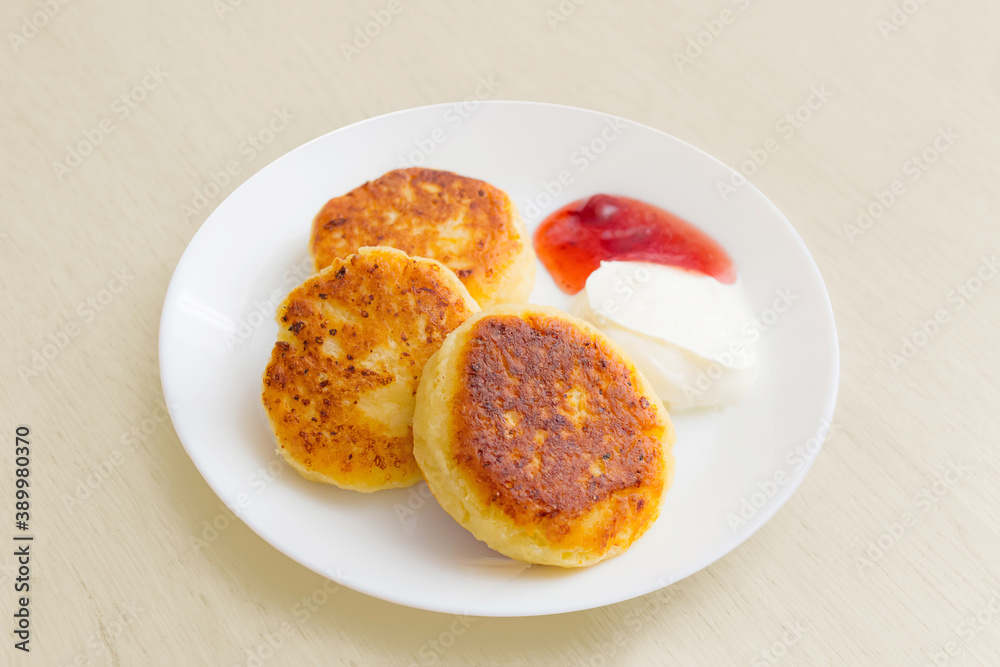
[573,241]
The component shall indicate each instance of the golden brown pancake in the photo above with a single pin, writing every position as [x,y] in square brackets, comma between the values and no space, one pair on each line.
[468,225]
[353,340]
[536,433]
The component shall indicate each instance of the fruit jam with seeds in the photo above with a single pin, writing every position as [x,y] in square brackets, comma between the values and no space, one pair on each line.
[572,242]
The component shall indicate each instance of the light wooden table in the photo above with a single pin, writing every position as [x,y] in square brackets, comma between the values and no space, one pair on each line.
[888,553]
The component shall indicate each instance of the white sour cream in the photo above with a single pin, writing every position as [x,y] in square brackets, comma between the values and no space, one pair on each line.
[688,333]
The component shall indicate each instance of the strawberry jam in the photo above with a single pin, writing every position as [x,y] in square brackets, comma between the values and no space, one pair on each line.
[572,242]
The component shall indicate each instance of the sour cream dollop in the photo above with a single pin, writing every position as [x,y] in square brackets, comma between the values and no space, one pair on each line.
[688,333]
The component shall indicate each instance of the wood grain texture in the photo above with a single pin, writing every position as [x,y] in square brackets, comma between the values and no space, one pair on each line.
[117,578]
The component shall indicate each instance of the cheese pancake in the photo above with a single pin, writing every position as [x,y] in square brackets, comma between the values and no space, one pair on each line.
[353,341]
[536,433]
[468,225]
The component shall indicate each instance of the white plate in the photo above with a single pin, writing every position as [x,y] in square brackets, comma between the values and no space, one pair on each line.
[735,468]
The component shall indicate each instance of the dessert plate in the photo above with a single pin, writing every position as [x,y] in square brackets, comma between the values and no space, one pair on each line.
[735,467]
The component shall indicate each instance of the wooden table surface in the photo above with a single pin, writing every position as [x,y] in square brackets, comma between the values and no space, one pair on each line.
[887,554]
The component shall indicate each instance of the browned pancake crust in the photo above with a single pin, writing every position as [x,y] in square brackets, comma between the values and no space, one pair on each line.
[550,424]
[365,325]
[466,224]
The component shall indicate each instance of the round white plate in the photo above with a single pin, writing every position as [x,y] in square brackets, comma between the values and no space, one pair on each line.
[735,467]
